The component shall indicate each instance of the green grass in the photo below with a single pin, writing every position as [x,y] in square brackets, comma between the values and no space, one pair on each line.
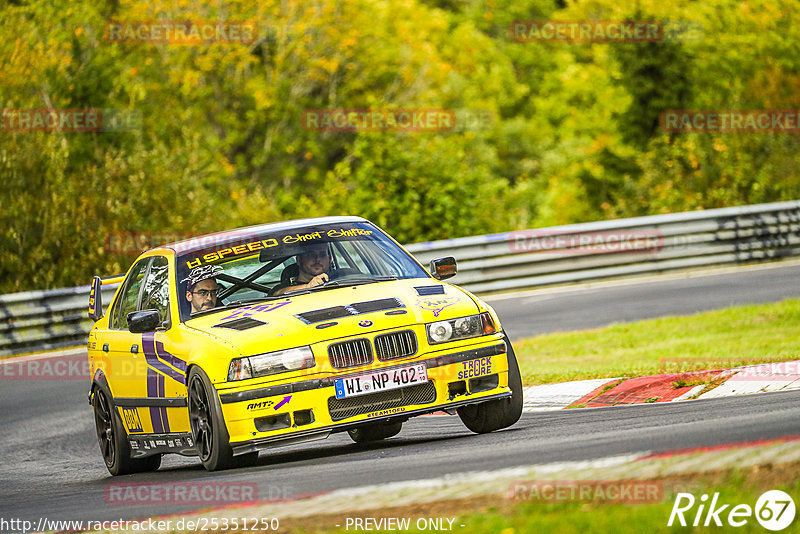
[498,515]
[583,518]
[711,340]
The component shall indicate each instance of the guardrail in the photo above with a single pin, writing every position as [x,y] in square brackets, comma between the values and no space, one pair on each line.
[43,320]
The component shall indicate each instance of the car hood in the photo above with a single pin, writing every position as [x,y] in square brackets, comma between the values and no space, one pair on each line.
[335,313]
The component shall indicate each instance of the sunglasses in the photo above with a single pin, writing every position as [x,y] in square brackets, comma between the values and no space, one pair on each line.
[206,292]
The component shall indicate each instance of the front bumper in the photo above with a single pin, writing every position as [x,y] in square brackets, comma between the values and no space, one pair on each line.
[285,414]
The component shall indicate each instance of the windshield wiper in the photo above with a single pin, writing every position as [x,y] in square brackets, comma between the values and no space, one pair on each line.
[253,300]
[346,282]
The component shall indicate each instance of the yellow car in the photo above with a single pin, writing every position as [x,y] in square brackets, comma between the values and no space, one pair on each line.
[223,345]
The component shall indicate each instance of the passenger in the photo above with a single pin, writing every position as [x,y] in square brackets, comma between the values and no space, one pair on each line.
[202,287]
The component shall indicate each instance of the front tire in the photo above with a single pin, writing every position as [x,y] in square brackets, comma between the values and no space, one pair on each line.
[208,427]
[113,439]
[502,413]
[374,432]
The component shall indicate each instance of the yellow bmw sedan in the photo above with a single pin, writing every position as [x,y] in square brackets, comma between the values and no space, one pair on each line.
[226,344]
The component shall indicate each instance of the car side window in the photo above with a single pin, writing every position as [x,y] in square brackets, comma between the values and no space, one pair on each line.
[155,293]
[129,297]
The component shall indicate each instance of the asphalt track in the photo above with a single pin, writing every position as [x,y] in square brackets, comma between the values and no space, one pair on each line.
[50,464]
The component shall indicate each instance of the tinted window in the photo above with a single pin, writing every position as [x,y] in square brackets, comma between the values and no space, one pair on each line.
[129,297]
[155,293]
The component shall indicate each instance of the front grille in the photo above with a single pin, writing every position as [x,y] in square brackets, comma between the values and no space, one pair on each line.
[395,345]
[383,400]
[350,353]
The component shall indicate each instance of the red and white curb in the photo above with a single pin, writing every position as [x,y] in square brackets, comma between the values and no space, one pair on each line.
[669,387]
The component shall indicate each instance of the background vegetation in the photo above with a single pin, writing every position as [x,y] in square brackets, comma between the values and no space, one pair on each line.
[573,134]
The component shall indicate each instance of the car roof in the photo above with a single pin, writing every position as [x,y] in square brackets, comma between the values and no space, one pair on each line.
[239,234]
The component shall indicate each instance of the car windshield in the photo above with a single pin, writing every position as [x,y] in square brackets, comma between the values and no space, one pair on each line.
[258,266]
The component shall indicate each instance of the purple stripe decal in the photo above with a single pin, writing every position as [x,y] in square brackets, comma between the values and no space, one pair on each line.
[163,409]
[169,358]
[149,349]
[152,391]
[155,417]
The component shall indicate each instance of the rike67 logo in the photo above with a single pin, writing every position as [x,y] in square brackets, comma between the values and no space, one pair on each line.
[774,510]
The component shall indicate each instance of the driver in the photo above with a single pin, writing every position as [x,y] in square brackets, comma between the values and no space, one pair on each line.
[202,287]
[312,265]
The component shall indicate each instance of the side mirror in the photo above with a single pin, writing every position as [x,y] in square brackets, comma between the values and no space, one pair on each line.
[95,300]
[143,321]
[442,268]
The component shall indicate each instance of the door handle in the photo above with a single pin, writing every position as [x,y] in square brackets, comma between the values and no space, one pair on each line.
[105,347]
[134,349]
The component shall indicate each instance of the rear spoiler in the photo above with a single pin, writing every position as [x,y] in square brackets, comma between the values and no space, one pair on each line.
[95,296]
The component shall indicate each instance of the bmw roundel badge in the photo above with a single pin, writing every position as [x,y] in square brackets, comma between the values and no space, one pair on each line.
[365,323]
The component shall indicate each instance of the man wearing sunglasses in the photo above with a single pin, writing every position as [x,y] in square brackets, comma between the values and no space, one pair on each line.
[202,288]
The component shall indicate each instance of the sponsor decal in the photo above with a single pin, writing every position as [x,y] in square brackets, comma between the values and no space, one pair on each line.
[132,421]
[326,325]
[474,368]
[248,311]
[237,250]
[396,312]
[285,400]
[437,304]
[390,411]
[259,405]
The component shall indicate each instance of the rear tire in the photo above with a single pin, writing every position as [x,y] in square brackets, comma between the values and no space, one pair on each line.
[502,413]
[374,432]
[113,439]
[208,427]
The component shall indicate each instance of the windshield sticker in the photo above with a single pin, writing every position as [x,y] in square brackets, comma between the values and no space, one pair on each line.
[247,311]
[289,239]
[436,305]
[232,251]
[298,238]
[348,233]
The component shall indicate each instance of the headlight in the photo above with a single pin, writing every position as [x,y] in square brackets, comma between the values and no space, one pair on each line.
[271,363]
[461,328]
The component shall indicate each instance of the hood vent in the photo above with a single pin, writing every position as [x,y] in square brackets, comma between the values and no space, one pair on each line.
[325,314]
[376,305]
[337,312]
[424,291]
[244,323]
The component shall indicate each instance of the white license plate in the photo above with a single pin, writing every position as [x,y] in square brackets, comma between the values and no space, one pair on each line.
[398,377]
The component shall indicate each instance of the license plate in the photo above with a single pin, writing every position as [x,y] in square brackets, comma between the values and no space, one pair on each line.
[398,377]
